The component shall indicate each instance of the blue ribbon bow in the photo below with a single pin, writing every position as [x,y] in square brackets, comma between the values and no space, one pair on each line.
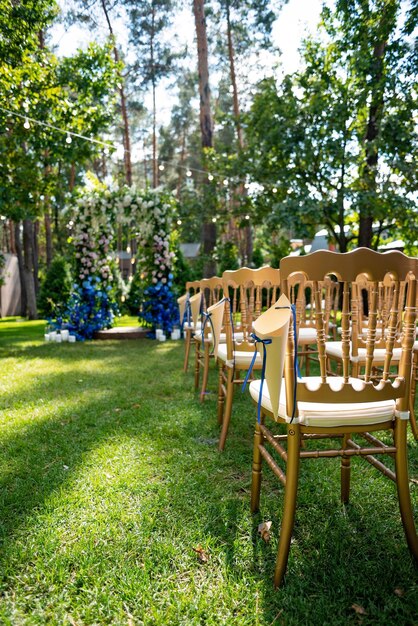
[264,342]
[263,368]
[208,317]
[296,370]
[187,312]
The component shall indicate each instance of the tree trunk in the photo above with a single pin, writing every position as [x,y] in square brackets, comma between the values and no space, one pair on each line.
[28,273]
[125,133]
[154,107]
[241,192]
[240,138]
[72,177]
[368,175]
[35,246]
[48,236]
[12,237]
[206,126]
[182,158]
[19,253]
[154,139]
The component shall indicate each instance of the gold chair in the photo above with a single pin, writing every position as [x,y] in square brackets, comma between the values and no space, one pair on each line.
[346,408]
[249,291]
[192,288]
[212,291]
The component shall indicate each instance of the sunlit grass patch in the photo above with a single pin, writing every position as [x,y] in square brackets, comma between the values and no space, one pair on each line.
[112,485]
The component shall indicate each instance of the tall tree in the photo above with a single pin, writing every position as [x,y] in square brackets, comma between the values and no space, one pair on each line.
[74,94]
[335,144]
[247,31]
[154,54]
[206,127]
[89,13]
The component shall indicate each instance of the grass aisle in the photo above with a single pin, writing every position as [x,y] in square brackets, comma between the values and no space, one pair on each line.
[111,480]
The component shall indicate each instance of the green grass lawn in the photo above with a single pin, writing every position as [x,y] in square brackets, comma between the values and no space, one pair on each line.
[111,479]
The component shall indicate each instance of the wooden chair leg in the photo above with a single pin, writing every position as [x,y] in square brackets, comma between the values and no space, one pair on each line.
[345,473]
[307,362]
[187,342]
[205,376]
[288,520]
[257,469]
[197,365]
[227,408]
[412,395]
[221,396]
[402,483]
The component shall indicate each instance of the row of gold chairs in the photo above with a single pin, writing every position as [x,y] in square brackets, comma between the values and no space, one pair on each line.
[350,317]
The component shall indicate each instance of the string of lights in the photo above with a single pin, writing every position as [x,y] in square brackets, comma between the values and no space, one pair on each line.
[108,146]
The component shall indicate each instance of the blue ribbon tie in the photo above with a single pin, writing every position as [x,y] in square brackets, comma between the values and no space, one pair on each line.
[264,342]
[208,317]
[296,370]
[187,312]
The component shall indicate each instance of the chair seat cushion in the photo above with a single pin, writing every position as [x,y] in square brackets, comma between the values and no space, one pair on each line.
[306,335]
[190,325]
[328,415]
[242,360]
[334,349]
[222,337]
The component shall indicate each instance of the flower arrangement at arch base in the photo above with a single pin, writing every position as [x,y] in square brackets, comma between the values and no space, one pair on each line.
[92,304]
[160,309]
[90,308]
[155,260]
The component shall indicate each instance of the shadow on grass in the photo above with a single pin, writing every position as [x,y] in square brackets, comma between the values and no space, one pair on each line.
[339,557]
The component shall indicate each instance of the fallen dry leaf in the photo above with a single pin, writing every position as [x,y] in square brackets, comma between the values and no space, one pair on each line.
[264,530]
[358,609]
[203,556]
[117,410]
[399,592]
[136,406]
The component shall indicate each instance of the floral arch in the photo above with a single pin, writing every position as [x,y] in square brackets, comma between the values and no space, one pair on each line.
[95,217]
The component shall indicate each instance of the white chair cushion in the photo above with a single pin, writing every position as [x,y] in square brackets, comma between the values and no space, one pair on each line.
[334,349]
[306,335]
[242,360]
[190,325]
[328,415]
[222,338]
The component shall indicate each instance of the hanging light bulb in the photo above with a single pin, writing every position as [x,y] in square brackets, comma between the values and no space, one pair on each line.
[188,173]
[213,219]
[179,222]
[247,217]
[161,167]
[225,182]
[274,190]
[26,124]
[68,138]
[210,177]
[246,185]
